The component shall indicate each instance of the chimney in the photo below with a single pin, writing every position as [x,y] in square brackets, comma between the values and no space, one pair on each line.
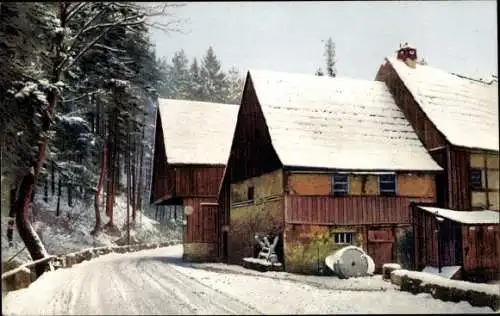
[407,54]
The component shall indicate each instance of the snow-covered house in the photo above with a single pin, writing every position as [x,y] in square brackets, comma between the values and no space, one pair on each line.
[321,162]
[456,118]
[192,144]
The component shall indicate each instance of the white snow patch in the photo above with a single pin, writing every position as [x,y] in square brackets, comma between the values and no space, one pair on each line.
[391,266]
[263,262]
[469,217]
[446,272]
[439,280]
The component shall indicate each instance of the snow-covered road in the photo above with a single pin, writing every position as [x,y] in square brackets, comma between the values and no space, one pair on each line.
[158,282]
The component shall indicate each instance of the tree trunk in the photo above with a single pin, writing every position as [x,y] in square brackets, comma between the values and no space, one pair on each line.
[133,179]
[59,189]
[128,175]
[139,185]
[53,177]
[46,189]
[97,227]
[110,197]
[26,232]
[69,187]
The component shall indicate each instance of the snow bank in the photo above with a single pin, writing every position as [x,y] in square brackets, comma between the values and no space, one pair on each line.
[427,278]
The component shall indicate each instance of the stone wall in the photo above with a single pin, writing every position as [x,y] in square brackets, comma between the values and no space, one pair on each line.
[200,252]
[263,214]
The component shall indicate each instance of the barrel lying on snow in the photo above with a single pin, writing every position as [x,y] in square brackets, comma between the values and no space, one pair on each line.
[350,261]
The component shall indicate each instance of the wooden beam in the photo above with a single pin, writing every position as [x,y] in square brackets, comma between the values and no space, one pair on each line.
[485,159]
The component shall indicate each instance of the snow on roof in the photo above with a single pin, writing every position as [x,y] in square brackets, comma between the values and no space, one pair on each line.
[337,123]
[197,132]
[465,217]
[464,110]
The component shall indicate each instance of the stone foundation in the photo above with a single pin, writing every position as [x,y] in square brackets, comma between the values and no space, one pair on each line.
[200,252]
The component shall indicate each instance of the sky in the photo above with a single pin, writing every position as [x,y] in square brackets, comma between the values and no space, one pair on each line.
[457,36]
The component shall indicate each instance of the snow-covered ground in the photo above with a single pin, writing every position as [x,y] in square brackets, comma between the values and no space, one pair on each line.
[156,281]
[62,235]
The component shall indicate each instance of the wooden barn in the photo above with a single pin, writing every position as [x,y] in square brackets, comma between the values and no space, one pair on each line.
[456,119]
[191,149]
[457,244]
[322,163]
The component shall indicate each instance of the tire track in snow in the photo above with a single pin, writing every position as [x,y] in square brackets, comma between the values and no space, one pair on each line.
[203,298]
[129,284]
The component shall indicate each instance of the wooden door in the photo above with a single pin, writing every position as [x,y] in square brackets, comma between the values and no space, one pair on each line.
[209,220]
[380,246]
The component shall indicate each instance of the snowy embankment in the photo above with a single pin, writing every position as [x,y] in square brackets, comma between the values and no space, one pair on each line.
[70,231]
[156,281]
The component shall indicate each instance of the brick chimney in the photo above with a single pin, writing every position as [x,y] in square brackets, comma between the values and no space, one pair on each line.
[407,54]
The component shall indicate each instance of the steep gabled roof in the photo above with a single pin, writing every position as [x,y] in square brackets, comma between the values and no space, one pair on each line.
[465,111]
[334,123]
[197,132]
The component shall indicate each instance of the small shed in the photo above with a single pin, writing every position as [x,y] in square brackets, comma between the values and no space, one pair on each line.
[192,145]
[470,239]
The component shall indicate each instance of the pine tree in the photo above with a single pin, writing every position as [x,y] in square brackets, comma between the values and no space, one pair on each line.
[319,72]
[75,72]
[196,84]
[214,80]
[235,83]
[179,76]
[330,58]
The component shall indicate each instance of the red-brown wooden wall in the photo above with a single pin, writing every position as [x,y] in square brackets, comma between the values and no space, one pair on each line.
[202,223]
[352,210]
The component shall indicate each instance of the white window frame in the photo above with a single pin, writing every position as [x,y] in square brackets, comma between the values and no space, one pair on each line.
[341,238]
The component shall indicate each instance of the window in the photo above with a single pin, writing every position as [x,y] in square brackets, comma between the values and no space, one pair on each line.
[475,179]
[340,185]
[387,184]
[343,238]
[250,193]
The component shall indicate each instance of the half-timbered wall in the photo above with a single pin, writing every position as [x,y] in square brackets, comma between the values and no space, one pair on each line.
[486,196]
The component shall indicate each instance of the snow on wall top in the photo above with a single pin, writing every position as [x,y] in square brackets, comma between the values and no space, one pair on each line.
[465,111]
[197,132]
[337,123]
[471,217]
